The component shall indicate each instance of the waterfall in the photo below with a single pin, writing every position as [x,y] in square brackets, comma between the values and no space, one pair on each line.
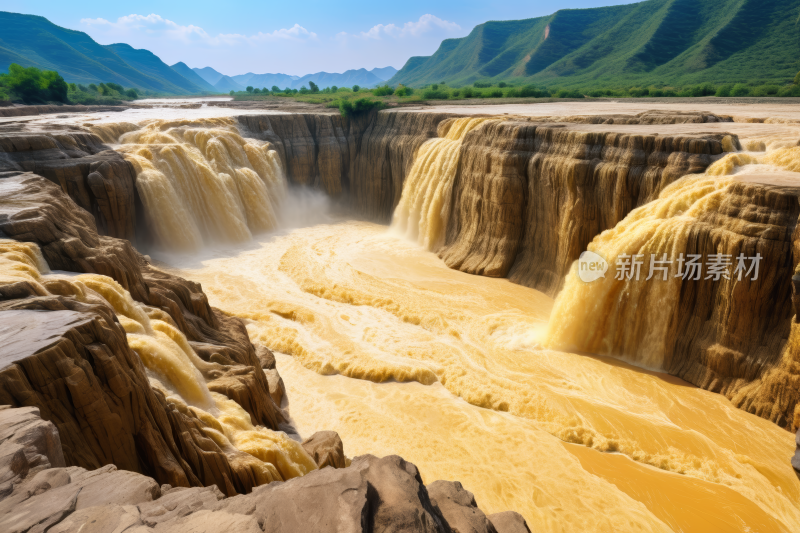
[423,211]
[200,181]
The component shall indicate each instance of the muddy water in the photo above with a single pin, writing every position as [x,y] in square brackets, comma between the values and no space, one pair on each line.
[400,354]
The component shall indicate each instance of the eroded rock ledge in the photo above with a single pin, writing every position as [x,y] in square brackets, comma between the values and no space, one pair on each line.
[87,381]
[372,495]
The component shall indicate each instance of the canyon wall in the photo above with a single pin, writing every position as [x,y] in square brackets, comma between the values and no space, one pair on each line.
[364,160]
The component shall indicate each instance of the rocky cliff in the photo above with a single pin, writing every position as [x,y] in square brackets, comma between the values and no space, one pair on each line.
[72,360]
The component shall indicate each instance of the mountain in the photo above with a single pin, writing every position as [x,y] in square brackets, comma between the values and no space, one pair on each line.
[182,69]
[209,74]
[33,41]
[226,84]
[675,42]
[265,80]
[384,73]
[361,77]
[147,62]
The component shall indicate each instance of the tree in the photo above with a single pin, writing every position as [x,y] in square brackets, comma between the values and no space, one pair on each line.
[256,91]
[233,92]
[33,85]
[93,87]
[334,88]
[249,88]
[313,87]
[797,79]
[276,89]
[132,93]
[356,88]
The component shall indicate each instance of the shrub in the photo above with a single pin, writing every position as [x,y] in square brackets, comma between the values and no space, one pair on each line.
[638,92]
[383,90]
[740,90]
[766,90]
[131,93]
[723,91]
[496,93]
[231,93]
[403,91]
[304,90]
[468,93]
[797,79]
[790,90]
[502,84]
[93,88]
[356,88]
[482,84]
[350,108]
[455,94]
[83,88]
[435,87]
[33,85]
[564,93]
[434,94]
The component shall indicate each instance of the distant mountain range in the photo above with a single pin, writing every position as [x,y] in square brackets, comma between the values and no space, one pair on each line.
[675,42]
[362,77]
[33,41]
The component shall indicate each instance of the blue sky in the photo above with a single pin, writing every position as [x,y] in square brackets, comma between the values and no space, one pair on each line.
[288,36]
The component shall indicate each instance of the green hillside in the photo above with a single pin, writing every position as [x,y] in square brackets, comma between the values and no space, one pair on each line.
[33,41]
[149,63]
[657,42]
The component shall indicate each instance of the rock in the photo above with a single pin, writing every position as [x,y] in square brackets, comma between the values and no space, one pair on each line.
[207,522]
[28,444]
[265,357]
[177,503]
[400,502]
[326,448]
[458,507]
[97,178]
[323,501]
[509,522]
[277,390]
[102,519]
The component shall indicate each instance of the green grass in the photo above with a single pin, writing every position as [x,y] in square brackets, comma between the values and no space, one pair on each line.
[660,43]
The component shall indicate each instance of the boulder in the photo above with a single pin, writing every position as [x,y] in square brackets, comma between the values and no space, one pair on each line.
[326,448]
[458,507]
[28,444]
[509,522]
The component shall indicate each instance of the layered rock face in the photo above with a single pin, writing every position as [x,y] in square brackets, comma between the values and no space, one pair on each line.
[97,178]
[529,197]
[85,378]
[372,495]
[365,159]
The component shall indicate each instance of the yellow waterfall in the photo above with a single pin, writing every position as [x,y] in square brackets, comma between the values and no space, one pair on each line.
[629,318]
[200,181]
[424,207]
[173,366]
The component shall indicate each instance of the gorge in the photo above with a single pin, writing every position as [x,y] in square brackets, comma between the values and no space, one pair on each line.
[407,278]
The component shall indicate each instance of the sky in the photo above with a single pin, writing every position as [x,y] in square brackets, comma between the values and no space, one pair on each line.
[286,36]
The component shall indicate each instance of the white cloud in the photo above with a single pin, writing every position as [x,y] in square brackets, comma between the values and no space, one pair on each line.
[155,25]
[426,24]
